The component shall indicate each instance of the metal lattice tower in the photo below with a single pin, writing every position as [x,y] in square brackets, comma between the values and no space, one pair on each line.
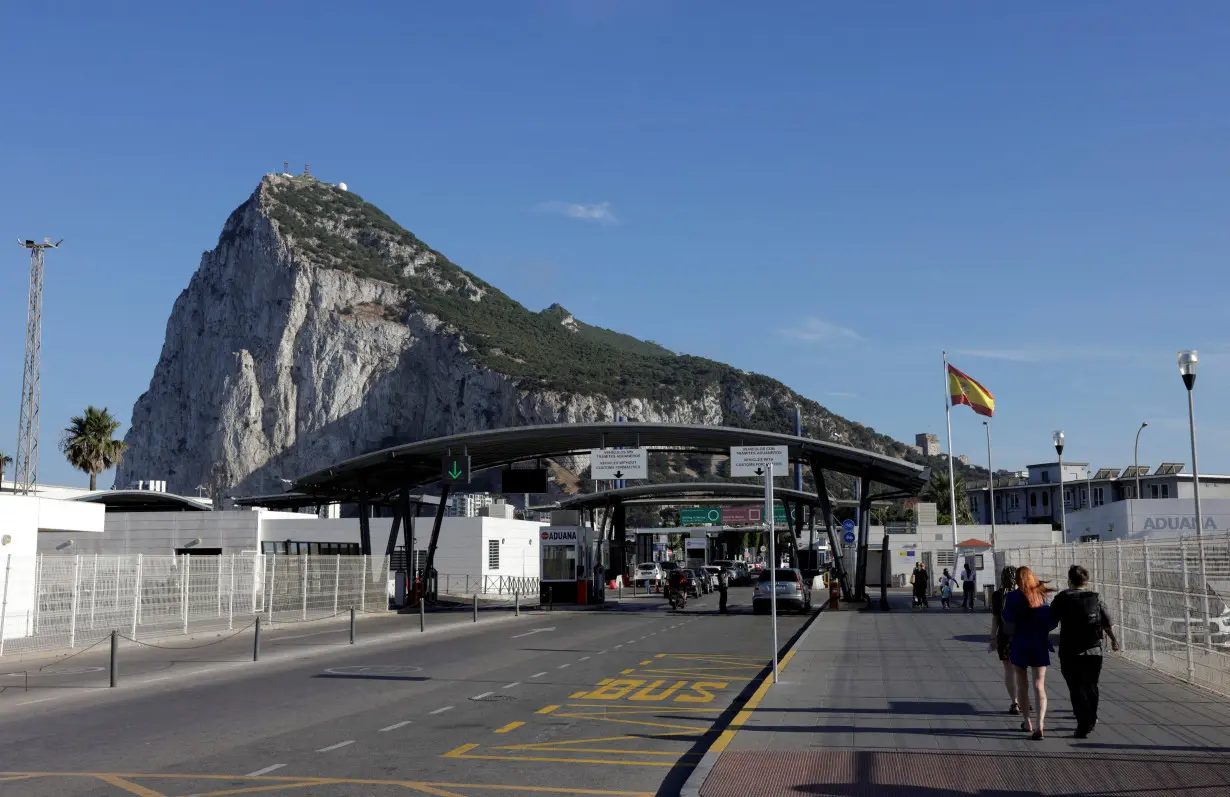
[27,428]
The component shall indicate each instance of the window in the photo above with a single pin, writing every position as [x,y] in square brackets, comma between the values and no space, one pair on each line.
[1033,499]
[1153,491]
[1046,499]
[973,502]
[1067,498]
[999,501]
[1084,497]
[559,562]
[1098,496]
[1046,475]
[977,561]
[1165,491]
[1014,501]
[493,554]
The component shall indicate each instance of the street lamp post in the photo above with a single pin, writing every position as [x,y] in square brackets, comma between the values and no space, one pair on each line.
[1057,439]
[990,484]
[1136,456]
[1187,369]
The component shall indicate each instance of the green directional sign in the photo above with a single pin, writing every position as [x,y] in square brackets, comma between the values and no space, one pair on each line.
[456,469]
[779,515]
[700,516]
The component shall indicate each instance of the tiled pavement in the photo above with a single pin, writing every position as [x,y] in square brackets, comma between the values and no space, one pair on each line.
[911,703]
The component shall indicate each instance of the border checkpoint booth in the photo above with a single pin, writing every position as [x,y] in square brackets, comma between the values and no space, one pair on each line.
[574,561]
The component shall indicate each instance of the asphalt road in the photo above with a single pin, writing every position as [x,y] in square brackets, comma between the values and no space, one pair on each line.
[617,702]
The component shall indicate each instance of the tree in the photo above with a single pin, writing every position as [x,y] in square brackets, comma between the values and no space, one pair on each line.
[937,491]
[5,461]
[88,444]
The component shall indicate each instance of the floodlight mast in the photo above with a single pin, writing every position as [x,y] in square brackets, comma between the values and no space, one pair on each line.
[26,475]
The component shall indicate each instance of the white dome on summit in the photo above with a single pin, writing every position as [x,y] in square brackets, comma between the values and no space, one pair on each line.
[342,186]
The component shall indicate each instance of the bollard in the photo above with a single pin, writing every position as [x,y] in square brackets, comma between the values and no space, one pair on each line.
[476,607]
[115,646]
[516,604]
[550,599]
[621,589]
[256,640]
[352,625]
[422,613]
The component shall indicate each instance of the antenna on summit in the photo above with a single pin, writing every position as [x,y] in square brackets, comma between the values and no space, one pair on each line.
[307,170]
[285,167]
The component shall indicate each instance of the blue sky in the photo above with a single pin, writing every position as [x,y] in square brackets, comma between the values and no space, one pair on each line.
[828,193]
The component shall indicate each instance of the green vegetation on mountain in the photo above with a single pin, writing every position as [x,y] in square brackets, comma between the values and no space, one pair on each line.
[329,227]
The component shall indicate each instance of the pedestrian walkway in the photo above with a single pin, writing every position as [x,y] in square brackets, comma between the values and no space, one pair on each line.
[911,703]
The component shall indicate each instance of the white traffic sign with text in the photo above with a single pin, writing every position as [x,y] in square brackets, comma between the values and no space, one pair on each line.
[754,460]
[619,463]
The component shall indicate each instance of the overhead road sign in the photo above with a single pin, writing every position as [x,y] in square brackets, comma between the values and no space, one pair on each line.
[619,463]
[700,516]
[456,469]
[754,460]
[523,480]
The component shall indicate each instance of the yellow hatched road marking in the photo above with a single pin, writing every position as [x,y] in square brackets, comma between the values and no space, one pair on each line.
[559,760]
[512,726]
[728,734]
[546,710]
[129,786]
[251,789]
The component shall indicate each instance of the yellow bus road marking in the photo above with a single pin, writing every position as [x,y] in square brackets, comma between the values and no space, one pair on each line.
[436,791]
[616,710]
[129,786]
[635,722]
[512,726]
[614,750]
[565,744]
[546,710]
[287,782]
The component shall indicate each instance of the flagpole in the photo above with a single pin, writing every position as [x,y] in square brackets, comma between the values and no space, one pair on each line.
[952,483]
[990,484]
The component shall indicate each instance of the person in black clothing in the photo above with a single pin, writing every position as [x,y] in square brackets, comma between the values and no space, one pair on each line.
[675,584]
[723,584]
[1082,619]
[922,584]
[1000,641]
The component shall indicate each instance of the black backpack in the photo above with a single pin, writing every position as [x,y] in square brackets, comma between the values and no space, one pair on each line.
[1084,613]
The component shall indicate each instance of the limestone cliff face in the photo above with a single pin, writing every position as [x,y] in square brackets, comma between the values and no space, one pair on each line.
[318,329]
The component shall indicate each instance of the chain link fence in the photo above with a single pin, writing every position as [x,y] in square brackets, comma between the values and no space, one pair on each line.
[1169,598]
[55,602]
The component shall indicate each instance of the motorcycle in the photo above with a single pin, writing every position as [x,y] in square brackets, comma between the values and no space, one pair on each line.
[678,599]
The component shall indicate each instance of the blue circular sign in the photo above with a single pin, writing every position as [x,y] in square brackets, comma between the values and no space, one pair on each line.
[848,525]
[848,538]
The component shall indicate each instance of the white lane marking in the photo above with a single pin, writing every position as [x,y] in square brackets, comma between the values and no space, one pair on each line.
[511,685]
[484,694]
[335,746]
[601,652]
[618,646]
[562,666]
[264,771]
[156,680]
[538,675]
[535,631]
[630,642]
[395,726]
[583,658]
[40,700]
[442,710]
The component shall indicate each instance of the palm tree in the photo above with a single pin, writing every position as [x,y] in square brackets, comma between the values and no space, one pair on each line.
[88,446]
[5,461]
[937,491]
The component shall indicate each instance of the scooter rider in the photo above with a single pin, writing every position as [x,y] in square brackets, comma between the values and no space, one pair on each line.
[675,584]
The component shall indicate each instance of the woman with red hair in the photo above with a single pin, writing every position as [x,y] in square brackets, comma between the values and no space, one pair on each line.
[1027,618]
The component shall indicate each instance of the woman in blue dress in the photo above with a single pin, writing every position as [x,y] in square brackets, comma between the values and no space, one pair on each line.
[1027,617]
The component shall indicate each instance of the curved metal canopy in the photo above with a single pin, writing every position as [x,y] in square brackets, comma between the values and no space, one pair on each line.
[144,501]
[295,500]
[415,464]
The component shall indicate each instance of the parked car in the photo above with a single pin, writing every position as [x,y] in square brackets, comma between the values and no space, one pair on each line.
[793,591]
[740,574]
[691,584]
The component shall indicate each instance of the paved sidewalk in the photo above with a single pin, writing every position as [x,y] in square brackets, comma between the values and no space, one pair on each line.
[911,703]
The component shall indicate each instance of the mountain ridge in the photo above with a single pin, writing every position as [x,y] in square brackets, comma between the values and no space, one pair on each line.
[318,328]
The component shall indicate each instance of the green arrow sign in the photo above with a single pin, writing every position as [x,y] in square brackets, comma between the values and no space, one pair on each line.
[456,469]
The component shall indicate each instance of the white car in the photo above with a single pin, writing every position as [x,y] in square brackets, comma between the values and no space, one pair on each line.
[648,574]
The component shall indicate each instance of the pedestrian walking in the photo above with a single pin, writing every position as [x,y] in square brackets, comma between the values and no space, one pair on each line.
[947,584]
[999,635]
[1083,620]
[969,586]
[922,585]
[723,585]
[1027,619]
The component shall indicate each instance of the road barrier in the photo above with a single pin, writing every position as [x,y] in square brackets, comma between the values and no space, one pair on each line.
[54,602]
[1165,617]
[487,587]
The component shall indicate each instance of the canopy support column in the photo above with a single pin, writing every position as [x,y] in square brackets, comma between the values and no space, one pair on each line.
[398,513]
[864,532]
[619,556]
[365,528]
[826,509]
[429,572]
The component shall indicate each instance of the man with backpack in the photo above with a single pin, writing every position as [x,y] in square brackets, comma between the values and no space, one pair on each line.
[1082,620]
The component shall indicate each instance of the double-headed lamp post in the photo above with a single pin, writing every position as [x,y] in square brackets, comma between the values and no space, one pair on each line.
[1057,439]
[1187,369]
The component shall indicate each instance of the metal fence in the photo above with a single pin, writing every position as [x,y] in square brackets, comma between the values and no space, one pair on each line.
[1167,616]
[53,602]
[488,586]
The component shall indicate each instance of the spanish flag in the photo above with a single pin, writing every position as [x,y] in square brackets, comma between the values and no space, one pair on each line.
[965,390]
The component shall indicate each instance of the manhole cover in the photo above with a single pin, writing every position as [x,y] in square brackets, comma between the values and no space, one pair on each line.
[60,671]
[375,669]
[493,698]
